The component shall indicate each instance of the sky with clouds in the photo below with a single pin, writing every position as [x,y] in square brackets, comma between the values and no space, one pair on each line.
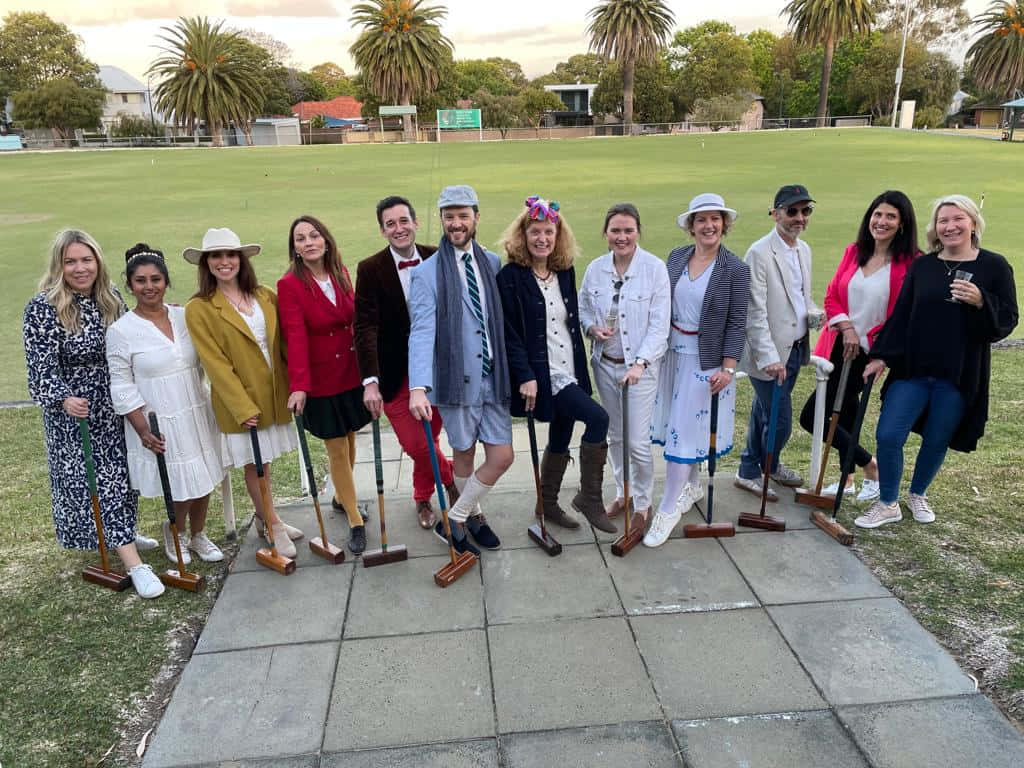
[124,33]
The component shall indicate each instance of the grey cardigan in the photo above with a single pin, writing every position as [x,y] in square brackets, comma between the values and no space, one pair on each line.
[723,316]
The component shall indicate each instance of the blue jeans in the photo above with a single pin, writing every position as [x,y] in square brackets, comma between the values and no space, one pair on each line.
[905,401]
[752,458]
[572,404]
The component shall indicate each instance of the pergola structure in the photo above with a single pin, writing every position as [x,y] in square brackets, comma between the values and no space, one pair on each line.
[1015,106]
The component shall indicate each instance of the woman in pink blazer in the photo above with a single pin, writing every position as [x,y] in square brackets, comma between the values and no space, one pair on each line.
[858,301]
[317,308]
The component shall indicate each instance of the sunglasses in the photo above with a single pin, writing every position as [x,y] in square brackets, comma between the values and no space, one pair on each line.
[792,210]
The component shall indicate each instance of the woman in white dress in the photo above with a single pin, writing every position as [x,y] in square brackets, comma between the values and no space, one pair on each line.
[234,326]
[710,289]
[154,368]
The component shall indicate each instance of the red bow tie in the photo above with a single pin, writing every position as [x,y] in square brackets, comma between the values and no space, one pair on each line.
[409,263]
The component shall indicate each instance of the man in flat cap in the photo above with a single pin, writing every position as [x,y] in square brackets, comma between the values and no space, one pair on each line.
[457,356]
[780,314]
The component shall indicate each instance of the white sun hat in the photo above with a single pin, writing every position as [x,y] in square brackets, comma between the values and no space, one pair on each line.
[222,239]
[708,201]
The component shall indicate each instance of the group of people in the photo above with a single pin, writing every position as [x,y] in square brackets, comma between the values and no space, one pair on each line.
[448,336]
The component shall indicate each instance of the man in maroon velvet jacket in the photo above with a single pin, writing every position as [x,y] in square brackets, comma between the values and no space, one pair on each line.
[382,346]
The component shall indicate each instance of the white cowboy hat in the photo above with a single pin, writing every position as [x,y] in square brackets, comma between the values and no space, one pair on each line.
[708,201]
[219,240]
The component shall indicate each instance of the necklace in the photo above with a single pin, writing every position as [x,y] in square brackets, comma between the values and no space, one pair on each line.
[242,306]
[543,278]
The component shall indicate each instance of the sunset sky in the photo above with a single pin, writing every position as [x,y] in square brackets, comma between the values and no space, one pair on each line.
[538,36]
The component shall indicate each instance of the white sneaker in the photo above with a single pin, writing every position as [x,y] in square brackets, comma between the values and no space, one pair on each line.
[208,551]
[660,529]
[920,508]
[145,581]
[832,490]
[186,558]
[869,490]
[754,486]
[144,543]
[696,492]
[878,514]
[687,498]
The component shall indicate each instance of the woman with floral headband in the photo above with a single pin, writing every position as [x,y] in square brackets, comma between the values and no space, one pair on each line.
[547,361]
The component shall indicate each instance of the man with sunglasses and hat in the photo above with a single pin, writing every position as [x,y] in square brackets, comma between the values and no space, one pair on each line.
[780,314]
[457,355]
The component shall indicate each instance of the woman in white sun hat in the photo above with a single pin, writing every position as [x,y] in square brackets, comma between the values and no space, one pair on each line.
[234,327]
[710,288]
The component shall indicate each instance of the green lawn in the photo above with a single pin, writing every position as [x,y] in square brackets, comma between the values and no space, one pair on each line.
[169,197]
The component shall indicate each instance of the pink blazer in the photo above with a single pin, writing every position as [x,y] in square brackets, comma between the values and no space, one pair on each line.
[837,302]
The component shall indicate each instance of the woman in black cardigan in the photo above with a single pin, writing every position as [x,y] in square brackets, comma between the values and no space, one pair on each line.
[547,362]
[955,302]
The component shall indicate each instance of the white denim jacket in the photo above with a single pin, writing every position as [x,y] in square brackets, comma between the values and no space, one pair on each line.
[645,306]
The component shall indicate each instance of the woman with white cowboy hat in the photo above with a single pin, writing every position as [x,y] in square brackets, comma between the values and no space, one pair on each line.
[710,289]
[234,327]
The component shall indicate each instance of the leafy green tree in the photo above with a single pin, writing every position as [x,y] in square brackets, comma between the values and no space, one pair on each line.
[272,77]
[473,75]
[279,51]
[333,79]
[652,86]
[302,86]
[401,49]
[35,49]
[935,23]
[762,59]
[537,103]
[995,60]
[580,68]
[512,70]
[724,108]
[826,22]
[61,105]
[132,126]
[502,111]
[709,60]
[205,76]
[632,32]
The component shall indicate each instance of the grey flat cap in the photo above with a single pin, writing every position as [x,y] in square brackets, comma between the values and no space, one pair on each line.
[457,196]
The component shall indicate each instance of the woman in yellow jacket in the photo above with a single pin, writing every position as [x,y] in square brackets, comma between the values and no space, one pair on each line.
[234,327]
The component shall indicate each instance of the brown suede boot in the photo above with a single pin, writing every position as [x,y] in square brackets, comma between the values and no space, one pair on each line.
[552,470]
[588,501]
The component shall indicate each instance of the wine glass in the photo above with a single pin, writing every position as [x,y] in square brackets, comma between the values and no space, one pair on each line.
[960,274]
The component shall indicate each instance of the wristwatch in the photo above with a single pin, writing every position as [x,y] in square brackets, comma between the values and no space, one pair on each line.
[641,361]
[729,370]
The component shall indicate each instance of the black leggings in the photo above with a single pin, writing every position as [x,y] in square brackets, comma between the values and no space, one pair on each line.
[572,404]
[848,411]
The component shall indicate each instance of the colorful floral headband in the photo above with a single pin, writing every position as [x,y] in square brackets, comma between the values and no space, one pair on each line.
[541,209]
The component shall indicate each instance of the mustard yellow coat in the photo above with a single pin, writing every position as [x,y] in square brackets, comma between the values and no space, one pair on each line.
[241,383]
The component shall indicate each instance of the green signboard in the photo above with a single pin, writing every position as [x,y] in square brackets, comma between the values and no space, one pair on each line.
[396,111]
[458,119]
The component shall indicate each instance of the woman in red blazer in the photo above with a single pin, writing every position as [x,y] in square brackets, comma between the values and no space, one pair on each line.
[317,307]
[858,301]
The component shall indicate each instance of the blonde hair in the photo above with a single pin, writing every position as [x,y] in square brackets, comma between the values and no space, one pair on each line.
[61,297]
[965,204]
[562,255]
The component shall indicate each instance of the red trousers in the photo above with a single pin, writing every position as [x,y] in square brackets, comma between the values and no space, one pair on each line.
[414,442]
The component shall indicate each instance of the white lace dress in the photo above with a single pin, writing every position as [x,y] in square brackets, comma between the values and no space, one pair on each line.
[149,370]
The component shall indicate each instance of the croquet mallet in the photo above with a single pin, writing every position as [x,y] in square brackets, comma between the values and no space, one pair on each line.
[708,528]
[318,545]
[633,533]
[103,576]
[537,532]
[179,579]
[763,521]
[268,557]
[460,563]
[385,554]
[815,499]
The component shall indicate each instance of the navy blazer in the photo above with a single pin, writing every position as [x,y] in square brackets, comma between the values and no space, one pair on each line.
[526,336]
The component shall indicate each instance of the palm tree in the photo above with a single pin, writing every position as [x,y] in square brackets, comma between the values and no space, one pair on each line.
[996,58]
[629,31]
[826,22]
[401,49]
[205,77]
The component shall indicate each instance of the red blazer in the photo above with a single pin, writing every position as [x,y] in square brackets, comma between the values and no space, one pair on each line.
[320,352]
[837,301]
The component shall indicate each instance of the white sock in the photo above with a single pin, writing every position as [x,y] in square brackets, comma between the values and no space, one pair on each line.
[676,476]
[460,486]
[470,493]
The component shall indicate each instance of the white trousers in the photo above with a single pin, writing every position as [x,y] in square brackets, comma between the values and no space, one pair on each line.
[607,376]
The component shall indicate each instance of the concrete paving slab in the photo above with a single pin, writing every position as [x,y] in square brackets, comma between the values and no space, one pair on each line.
[511,512]
[730,501]
[568,673]
[679,576]
[807,566]
[637,745]
[402,599]
[302,517]
[791,740]
[266,608]
[403,526]
[257,703]
[465,754]
[298,761]
[722,663]
[869,651]
[528,585]
[398,691]
[366,478]
[962,731]
[391,449]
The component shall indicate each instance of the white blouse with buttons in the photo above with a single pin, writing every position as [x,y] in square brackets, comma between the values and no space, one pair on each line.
[560,358]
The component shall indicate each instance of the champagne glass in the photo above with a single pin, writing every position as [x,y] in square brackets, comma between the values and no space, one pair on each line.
[960,274]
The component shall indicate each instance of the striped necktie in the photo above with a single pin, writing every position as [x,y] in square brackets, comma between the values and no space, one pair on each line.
[478,311]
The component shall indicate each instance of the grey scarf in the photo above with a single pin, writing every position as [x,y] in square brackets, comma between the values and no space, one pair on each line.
[449,366]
